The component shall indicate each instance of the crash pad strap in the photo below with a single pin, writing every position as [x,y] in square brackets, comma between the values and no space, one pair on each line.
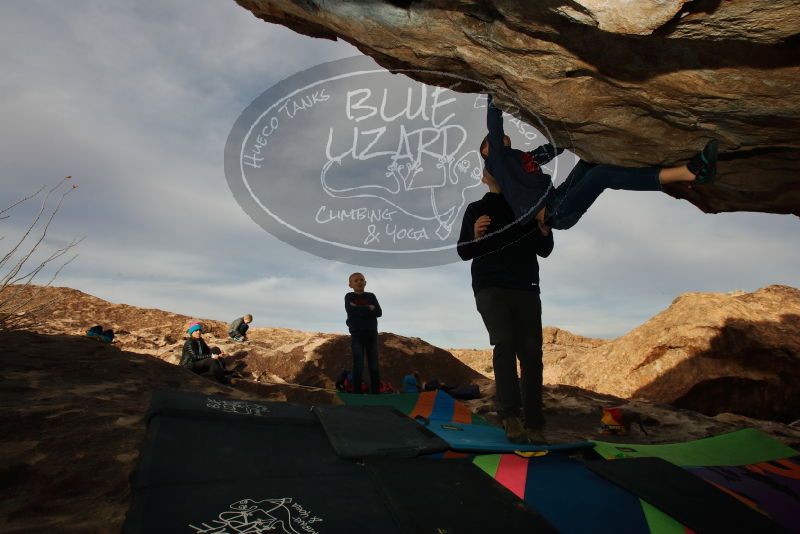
[685,497]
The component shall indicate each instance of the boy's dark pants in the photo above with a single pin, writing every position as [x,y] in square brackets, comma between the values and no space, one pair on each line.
[365,343]
[513,318]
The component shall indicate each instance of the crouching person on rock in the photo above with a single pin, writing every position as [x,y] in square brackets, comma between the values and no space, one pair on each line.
[199,358]
[237,329]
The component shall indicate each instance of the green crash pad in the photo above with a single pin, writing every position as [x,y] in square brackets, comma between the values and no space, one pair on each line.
[748,446]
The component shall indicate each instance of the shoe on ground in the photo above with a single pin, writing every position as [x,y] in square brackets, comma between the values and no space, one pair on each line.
[704,164]
[515,432]
[535,436]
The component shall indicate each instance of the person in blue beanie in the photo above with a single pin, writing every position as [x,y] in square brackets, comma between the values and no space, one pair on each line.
[199,358]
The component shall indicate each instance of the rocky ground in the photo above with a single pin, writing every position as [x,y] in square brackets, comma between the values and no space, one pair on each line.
[708,352]
[72,408]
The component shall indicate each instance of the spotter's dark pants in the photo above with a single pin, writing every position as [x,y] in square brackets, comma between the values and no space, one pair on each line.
[513,318]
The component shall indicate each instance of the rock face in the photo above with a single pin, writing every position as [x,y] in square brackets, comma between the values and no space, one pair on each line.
[558,346]
[73,421]
[271,356]
[707,352]
[630,82]
[72,408]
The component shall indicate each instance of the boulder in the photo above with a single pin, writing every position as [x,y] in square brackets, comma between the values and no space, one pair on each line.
[629,82]
[708,352]
[73,408]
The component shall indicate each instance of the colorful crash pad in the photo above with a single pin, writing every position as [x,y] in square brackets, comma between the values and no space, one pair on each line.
[483,438]
[748,464]
[683,496]
[433,405]
[567,494]
[742,447]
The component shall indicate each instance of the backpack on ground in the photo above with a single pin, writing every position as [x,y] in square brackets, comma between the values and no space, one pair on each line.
[97,332]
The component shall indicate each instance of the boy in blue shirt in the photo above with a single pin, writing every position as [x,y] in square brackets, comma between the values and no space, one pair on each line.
[363,311]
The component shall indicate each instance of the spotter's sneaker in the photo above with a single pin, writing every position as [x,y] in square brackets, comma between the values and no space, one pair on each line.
[535,436]
[515,432]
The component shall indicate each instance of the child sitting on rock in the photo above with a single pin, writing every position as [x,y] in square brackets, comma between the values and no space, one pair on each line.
[199,358]
[237,330]
[530,192]
[412,383]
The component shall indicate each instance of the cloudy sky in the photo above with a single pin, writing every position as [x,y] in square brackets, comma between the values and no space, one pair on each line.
[136,100]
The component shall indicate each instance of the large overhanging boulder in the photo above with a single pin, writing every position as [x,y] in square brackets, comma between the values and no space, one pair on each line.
[631,82]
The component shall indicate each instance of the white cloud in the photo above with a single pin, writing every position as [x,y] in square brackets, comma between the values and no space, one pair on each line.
[136,101]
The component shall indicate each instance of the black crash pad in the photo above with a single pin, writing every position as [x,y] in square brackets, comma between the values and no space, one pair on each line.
[451,496]
[269,467]
[367,431]
[685,497]
[178,403]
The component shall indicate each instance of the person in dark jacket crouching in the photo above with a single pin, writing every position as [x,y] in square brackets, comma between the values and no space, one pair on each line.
[237,329]
[199,358]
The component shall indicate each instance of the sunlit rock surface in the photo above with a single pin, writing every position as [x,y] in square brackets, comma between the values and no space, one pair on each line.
[630,82]
[709,352]
[73,408]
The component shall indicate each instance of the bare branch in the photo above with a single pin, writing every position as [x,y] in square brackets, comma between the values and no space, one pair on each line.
[17,297]
[13,272]
[20,201]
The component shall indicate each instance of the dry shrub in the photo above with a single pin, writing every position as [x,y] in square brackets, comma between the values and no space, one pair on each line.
[24,260]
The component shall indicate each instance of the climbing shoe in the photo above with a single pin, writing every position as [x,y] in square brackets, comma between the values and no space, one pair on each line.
[704,164]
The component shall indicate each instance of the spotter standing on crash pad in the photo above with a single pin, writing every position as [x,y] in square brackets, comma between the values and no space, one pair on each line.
[505,280]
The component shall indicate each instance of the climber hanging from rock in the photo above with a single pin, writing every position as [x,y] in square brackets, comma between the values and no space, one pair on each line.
[531,194]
